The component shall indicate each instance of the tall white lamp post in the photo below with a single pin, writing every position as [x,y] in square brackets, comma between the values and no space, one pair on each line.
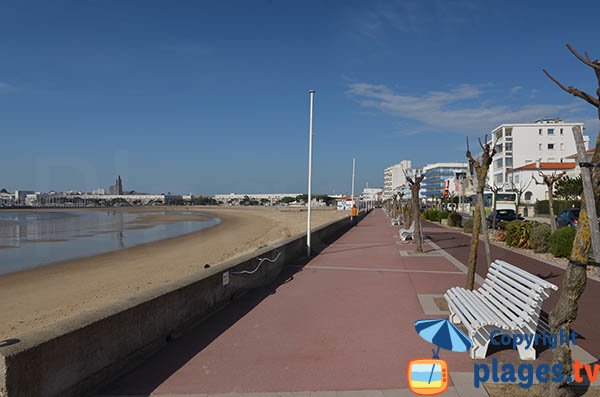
[353,166]
[310,139]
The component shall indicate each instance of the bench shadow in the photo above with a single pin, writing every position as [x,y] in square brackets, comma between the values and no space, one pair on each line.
[142,378]
[541,346]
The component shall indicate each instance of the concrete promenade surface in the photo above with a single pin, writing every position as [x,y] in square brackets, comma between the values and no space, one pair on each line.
[343,322]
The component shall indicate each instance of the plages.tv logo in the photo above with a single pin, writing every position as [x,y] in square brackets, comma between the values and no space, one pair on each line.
[429,376]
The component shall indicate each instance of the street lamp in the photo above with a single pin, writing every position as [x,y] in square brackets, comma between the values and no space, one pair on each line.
[310,143]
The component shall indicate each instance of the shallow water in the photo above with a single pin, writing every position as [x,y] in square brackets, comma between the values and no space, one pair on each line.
[29,239]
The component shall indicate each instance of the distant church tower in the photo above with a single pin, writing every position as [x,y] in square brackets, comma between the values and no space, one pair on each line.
[119,185]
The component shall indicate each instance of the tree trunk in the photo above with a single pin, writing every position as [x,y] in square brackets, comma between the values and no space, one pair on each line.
[417,220]
[486,235]
[472,265]
[494,213]
[565,311]
[573,285]
[551,209]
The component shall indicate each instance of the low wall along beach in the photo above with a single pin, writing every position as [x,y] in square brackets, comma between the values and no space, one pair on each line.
[77,355]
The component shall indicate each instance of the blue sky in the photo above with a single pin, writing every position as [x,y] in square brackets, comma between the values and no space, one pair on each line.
[212,97]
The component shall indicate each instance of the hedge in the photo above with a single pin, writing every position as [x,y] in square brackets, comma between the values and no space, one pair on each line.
[561,242]
[542,206]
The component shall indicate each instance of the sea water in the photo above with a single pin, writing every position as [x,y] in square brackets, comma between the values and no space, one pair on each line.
[35,238]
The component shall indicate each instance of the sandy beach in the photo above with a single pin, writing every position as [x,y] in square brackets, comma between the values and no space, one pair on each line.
[33,299]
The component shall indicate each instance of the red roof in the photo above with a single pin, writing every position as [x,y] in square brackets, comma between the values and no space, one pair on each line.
[589,153]
[546,166]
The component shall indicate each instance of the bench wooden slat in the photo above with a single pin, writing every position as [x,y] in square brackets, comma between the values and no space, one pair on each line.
[510,299]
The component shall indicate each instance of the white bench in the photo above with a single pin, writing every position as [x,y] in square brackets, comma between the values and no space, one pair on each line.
[509,300]
[395,221]
[406,233]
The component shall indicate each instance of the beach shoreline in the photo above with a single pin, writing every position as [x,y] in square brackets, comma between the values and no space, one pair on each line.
[35,298]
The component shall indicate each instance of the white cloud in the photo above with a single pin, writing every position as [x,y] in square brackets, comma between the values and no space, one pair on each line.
[5,87]
[516,89]
[409,16]
[453,110]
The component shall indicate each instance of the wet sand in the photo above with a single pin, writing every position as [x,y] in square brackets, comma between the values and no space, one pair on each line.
[33,299]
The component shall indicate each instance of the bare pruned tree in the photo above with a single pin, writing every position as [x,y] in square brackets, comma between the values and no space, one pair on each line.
[415,186]
[575,278]
[481,168]
[549,181]
[519,188]
[494,189]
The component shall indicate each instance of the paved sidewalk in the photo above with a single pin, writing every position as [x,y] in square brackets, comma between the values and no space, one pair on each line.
[343,323]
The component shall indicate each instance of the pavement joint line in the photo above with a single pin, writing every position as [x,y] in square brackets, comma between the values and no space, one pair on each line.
[366,269]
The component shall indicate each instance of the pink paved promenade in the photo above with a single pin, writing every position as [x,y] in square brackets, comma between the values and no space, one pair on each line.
[345,321]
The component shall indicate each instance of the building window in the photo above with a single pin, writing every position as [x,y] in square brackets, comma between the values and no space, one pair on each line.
[539,146]
[540,131]
[550,146]
[562,146]
[550,131]
[498,163]
[561,131]
[508,162]
[528,196]
[516,178]
[499,179]
[508,146]
[528,161]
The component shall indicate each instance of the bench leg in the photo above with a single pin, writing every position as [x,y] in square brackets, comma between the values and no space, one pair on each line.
[479,352]
[454,318]
[526,353]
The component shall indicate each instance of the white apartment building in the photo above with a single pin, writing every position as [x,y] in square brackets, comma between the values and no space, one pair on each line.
[395,180]
[547,141]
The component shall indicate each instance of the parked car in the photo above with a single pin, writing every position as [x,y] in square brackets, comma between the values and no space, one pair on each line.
[502,215]
[568,217]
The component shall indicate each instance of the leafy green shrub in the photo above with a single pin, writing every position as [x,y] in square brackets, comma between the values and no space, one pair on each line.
[539,239]
[443,215]
[517,233]
[467,225]
[431,215]
[454,219]
[561,242]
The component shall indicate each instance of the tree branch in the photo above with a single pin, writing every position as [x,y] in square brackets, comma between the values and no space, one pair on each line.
[574,91]
[587,61]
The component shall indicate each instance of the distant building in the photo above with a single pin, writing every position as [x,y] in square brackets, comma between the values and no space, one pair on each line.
[523,176]
[235,198]
[6,199]
[100,190]
[436,174]
[20,195]
[545,141]
[117,188]
[394,178]
[372,194]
